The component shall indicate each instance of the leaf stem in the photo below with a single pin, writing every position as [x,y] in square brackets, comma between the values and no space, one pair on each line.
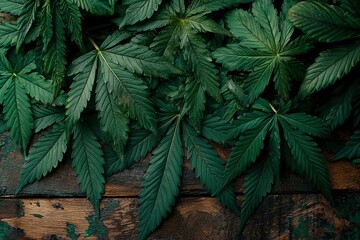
[272,108]
[94,44]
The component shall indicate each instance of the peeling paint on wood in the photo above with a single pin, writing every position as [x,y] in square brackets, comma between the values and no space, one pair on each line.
[71,231]
[285,216]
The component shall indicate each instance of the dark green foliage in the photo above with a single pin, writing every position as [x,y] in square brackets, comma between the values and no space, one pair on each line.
[340,25]
[88,164]
[18,81]
[265,123]
[45,155]
[161,182]
[327,23]
[115,81]
[351,149]
[265,48]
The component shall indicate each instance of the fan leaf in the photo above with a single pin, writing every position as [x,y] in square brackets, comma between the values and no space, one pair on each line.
[324,22]
[88,163]
[194,101]
[113,120]
[208,167]
[130,90]
[249,31]
[161,182]
[215,129]
[307,159]
[207,6]
[235,57]
[140,59]
[140,10]
[306,123]
[8,34]
[17,113]
[258,79]
[55,56]
[257,184]
[26,20]
[45,155]
[245,151]
[197,53]
[45,116]
[80,90]
[330,66]
[351,149]
[13,7]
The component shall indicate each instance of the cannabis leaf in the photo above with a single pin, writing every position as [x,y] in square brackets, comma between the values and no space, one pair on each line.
[11,6]
[88,163]
[183,25]
[330,66]
[351,149]
[51,21]
[118,89]
[327,23]
[265,122]
[45,116]
[45,155]
[8,34]
[161,181]
[208,167]
[18,81]
[342,103]
[139,10]
[264,48]
[175,124]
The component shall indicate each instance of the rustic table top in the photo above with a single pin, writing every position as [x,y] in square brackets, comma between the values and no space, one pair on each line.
[55,208]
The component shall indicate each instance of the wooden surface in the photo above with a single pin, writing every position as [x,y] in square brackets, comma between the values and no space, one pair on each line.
[55,208]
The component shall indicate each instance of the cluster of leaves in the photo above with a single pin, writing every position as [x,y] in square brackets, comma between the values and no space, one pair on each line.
[176,75]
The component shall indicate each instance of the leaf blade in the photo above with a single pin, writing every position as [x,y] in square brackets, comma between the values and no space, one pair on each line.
[161,182]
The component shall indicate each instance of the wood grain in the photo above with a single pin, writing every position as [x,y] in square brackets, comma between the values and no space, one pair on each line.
[295,216]
[127,183]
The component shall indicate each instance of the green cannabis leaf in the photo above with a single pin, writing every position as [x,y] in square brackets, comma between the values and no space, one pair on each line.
[278,127]
[162,180]
[45,155]
[118,90]
[265,48]
[183,25]
[19,82]
[328,23]
[50,21]
[351,149]
[88,163]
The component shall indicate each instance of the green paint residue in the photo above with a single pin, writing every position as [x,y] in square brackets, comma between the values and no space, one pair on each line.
[7,232]
[349,208]
[71,231]
[96,227]
[21,209]
[326,225]
[37,215]
[302,230]
[303,206]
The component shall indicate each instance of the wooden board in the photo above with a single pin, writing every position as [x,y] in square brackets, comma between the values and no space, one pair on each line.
[295,216]
[127,183]
[55,208]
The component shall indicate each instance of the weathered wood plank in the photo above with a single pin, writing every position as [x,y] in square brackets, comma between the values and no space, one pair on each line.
[284,216]
[63,181]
